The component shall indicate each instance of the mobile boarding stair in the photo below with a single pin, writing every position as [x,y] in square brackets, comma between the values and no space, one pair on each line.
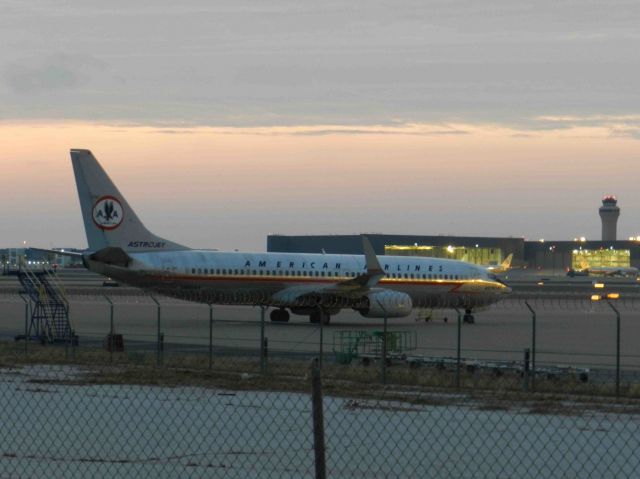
[48,318]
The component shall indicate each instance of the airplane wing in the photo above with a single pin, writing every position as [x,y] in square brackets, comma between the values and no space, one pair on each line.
[348,289]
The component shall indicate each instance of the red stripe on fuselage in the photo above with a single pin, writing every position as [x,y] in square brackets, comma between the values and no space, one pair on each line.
[293,279]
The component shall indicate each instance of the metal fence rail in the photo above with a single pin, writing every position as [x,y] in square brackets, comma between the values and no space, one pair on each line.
[87,417]
[213,397]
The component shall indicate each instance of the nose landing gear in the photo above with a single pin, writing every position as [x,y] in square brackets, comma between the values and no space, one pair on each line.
[468,317]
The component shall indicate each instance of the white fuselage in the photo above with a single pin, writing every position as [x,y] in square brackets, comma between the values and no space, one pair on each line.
[253,278]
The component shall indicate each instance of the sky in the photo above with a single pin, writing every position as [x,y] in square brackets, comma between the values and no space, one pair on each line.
[223,122]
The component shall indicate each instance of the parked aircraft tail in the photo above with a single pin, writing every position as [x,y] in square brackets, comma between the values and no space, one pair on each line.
[506,264]
[109,221]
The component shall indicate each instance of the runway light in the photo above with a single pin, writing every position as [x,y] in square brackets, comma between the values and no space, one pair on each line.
[595,297]
[598,285]
[613,295]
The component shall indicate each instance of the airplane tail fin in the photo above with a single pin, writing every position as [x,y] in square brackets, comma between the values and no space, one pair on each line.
[506,264]
[109,221]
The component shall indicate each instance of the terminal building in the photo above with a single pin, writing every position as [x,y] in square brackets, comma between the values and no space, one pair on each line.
[548,256]
[554,257]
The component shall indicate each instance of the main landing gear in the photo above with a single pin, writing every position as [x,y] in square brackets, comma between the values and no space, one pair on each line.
[316,316]
[280,315]
[468,317]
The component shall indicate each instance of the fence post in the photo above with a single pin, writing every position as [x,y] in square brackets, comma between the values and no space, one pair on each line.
[26,324]
[210,335]
[617,348]
[111,329]
[533,345]
[318,420]
[160,338]
[321,346]
[263,357]
[384,344]
[525,370]
[458,359]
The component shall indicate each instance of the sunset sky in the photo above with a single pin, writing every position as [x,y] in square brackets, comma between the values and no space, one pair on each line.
[222,122]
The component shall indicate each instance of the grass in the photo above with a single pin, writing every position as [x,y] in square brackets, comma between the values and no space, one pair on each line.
[419,386]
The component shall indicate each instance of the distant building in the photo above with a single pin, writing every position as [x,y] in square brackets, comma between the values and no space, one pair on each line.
[12,258]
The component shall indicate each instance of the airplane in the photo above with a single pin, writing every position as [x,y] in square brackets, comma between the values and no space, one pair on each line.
[629,272]
[496,268]
[314,285]
[502,267]
[586,270]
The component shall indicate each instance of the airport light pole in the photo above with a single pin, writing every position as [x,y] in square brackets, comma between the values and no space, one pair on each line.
[617,348]
[533,345]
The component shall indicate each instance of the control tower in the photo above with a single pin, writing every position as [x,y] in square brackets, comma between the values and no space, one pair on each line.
[609,213]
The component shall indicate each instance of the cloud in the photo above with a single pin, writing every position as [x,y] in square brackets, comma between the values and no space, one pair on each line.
[394,131]
[54,73]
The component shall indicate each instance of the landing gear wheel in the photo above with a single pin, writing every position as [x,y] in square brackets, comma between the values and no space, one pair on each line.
[316,316]
[279,315]
[468,317]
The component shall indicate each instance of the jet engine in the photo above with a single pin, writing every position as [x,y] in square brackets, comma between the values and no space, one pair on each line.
[379,303]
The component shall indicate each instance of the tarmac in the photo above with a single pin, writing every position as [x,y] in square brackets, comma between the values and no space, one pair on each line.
[570,329]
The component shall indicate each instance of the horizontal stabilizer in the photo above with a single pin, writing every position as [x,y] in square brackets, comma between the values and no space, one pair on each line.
[72,254]
[111,255]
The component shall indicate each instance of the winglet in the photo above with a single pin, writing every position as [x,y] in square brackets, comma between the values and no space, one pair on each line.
[373,265]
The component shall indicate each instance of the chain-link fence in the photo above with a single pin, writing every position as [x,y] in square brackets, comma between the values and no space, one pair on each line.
[536,387]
